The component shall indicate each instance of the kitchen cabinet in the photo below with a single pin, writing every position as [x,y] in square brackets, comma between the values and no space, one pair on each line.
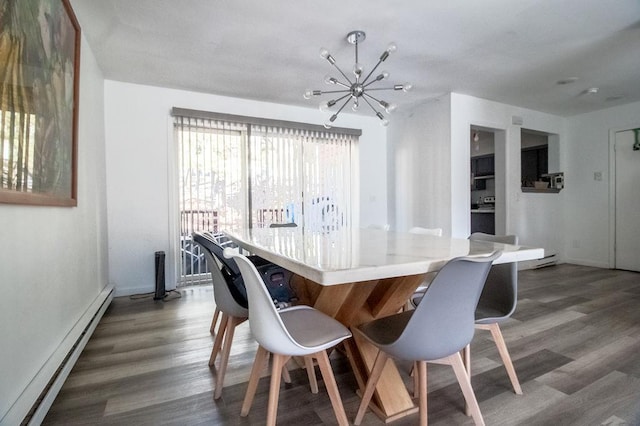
[483,221]
[534,163]
[482,168]
[483,165]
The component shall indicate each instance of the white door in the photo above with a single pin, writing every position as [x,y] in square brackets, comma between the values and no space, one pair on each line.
[627,180]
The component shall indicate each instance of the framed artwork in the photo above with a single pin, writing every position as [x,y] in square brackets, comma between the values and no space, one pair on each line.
[39,83]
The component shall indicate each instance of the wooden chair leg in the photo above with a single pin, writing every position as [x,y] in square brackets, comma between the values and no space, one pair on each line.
[376,372]
[217,344]
[416,379]
[332,387]
[465,384]
[286,377]
[311,373]
[274,388]
[258,365]
[504,354]
[216,314]
[466,358]
[226,350]
[421,373]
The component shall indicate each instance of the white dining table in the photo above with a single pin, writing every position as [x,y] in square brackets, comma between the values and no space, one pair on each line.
[357,275]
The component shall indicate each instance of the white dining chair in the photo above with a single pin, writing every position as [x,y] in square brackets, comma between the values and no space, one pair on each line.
[437,232]
[384,227]
[295,331]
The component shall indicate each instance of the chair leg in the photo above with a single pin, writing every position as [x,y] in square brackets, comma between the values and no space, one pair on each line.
[466,357]
[311,373]
[421,373]
[214,321]
[376,372]
[504,354]
[274,388]
[256,370]
[217,344]
[226,349]
[332,387]
[285,374]
[465,384]
[416,379]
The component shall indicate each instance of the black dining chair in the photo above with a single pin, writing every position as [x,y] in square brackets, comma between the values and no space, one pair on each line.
[436,331]
[233,307]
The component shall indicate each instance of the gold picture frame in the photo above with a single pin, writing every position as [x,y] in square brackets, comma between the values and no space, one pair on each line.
[39,87]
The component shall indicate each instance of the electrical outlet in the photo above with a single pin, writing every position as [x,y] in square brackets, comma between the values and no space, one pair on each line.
[597,175]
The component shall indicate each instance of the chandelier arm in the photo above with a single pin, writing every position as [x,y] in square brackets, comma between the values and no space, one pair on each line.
[343,74]
[342,107]
[371,106]
[371,72]
[341,98]
[375,99]
[356,62]
[323,92]
[339,83]
[383,88]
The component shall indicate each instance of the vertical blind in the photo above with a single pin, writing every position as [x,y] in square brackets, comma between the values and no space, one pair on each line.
[240,171]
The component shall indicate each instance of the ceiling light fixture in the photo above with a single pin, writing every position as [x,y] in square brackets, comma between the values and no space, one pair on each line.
[357,88]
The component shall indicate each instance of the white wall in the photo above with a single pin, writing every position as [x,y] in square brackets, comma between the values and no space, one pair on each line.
[138,140]
[429,168]
[419,158]
[53,263]
[587,211]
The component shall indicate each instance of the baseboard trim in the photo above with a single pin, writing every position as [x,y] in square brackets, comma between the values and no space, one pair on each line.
[35,400]
[581,262]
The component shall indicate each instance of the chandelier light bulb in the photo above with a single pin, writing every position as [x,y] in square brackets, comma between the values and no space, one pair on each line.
[392,48]
[308,94]
[390,108]
[356,105]
[324,53]
[358,69]
[384,122]
[330,80]
[327,124]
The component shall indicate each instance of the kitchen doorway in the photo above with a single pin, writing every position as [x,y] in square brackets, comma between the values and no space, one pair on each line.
[487,178]
[627,199]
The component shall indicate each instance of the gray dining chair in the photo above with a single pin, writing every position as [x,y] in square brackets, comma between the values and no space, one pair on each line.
[436,331]
[497,303]
[295,331]
[233,311]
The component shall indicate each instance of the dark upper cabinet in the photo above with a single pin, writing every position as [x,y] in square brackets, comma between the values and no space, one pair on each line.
[484,165]
[534,163]
[480,167]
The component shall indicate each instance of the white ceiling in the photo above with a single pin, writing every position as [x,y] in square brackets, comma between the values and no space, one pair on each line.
[508,51]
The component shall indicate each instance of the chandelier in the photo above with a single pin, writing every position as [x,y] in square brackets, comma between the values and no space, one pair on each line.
[356,88]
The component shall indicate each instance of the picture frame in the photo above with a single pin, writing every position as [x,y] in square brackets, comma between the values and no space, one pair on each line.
[39,95]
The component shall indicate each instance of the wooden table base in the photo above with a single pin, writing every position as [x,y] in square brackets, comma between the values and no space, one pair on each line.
[357,303]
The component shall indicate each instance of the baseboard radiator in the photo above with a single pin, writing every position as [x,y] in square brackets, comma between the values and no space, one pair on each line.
[42,391]
[548,260]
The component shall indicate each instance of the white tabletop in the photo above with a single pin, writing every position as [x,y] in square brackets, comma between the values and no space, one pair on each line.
[352,255]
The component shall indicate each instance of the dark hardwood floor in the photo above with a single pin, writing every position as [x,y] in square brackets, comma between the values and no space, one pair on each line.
[574,339]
